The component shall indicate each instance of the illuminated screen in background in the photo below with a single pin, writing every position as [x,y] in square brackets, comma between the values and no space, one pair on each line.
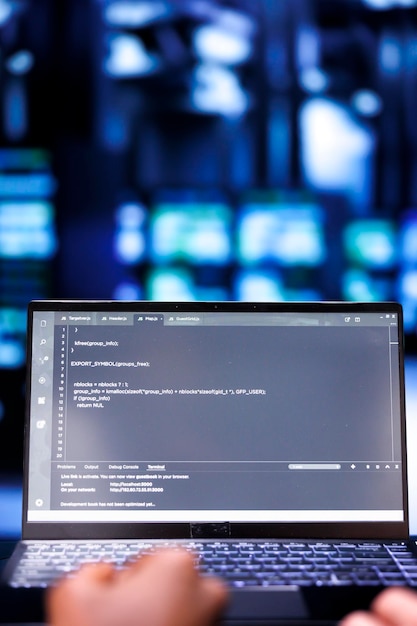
[407,279]
[209,150]
[269,245]
[27,243]
[267,149]
[281,246]
[28,238]
[27,246]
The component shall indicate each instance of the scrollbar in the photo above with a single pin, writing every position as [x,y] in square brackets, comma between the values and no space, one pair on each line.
[314,466]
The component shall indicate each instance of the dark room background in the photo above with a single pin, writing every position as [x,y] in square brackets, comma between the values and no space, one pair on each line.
[203,149]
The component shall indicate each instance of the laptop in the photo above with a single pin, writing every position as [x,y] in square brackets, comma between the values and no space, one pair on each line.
[268,436]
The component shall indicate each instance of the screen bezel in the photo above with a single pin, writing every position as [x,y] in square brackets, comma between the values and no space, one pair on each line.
[223,530]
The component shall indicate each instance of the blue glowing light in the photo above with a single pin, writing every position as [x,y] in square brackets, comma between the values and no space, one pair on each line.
[12,332]
[197,233]
[408,238]
[134,14]
[20,62]
[10,511]
[336,149]
[314,80]
[15,109]
[36,185]
[359,285]
[371,243]
[383,5]
[258,286]
[128,57]
[216,89]
[408,285]
[128,291]
[6,11]
[218,45]
[27,230]
[130,246]
[170,284]
[367,102]
[130,242]
[291,235]
[390,55]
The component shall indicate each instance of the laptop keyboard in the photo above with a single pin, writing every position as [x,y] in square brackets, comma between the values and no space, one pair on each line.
[265,563]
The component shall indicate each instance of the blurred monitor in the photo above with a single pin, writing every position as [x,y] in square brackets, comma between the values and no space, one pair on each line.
[28,244]
[130,237]
[258,285]
[371,243]
[362,285]
[407,278]
[191,227]
[27,229]
[408,238]
[263,285]
[286,230]
[407,293]
[181,284]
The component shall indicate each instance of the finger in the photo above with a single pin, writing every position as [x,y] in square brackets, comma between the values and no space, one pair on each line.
[87,579]
[213,598]
[160,562]
[180,564]
[142,560]
[397,606]
[361,618]
[96,572]
[188,598]
[208,594]
[132,566]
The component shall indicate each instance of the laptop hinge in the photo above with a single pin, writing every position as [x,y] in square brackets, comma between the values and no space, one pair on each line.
[210,531]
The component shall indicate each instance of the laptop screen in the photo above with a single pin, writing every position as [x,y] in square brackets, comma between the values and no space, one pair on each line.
[152,412]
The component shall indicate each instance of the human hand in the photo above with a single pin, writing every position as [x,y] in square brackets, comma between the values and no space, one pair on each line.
[394,607]
[159,590]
